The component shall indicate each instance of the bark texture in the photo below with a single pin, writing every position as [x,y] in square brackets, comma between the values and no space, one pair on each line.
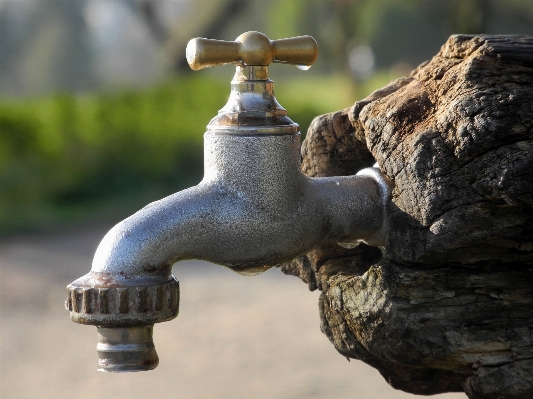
[448,306]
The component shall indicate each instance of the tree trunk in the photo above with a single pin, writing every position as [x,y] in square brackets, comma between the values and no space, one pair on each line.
[448,304]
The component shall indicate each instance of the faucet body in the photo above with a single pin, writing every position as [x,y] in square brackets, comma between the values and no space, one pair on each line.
[253,209]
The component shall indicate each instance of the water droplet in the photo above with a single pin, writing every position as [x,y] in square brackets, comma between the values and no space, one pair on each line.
[250,270]
[303,67]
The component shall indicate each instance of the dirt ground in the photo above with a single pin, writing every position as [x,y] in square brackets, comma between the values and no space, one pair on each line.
[236,337]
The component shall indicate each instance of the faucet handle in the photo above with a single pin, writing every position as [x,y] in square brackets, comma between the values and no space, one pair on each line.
[251,48]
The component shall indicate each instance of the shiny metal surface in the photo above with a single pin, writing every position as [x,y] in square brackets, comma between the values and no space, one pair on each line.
[125,349]
[251,48]
[252,108]
[253,210]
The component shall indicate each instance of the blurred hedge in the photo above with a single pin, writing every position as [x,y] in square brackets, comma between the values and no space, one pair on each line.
[66,158]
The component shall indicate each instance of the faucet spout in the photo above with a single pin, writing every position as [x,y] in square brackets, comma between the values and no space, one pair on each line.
[253,210]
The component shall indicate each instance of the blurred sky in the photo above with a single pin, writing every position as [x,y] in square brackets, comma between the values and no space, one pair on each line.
[81,45]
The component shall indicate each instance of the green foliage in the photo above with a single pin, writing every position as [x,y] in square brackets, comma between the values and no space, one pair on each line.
[64,153]
[66,158]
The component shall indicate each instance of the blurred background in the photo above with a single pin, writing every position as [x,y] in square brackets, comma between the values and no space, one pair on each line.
[100,114]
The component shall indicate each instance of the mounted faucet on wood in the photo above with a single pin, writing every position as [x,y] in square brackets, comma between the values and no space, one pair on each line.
[447,304]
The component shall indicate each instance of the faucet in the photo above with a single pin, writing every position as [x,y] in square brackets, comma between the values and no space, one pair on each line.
[253,209]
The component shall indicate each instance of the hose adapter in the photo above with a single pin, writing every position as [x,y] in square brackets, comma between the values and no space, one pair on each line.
[124,316]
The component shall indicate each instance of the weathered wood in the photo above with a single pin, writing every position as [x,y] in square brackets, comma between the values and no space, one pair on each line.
[449,306]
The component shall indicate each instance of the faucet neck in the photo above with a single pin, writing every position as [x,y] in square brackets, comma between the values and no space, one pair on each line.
[255,165]
[252,108]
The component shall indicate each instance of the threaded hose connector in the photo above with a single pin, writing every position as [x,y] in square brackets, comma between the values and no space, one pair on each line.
[124,317]
[123,306]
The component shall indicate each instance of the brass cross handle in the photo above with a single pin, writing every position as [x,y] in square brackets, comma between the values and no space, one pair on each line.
[251,48]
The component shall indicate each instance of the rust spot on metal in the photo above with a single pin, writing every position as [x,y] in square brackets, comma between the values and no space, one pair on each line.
[86,301]
[142,306]
[174,297]
[104,280]
[68,302]
[123,300]
[150,362]
[103,301]
[76,299]
[158,300]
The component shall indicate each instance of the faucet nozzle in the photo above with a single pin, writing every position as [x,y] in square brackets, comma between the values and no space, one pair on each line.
[124,314]
[126,349]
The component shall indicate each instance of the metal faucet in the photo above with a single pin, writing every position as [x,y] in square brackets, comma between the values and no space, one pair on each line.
[253,209]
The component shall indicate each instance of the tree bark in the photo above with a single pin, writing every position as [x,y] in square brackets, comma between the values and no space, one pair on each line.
[447,305]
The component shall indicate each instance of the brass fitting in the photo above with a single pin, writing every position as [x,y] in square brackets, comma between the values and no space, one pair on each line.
[251,48]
